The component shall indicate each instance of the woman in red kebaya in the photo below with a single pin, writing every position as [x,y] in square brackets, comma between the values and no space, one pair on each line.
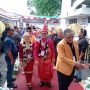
[26,58]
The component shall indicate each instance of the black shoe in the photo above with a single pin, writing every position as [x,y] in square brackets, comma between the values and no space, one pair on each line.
[41,84]
[48,84]
[1,75]
[77,80]
[30,88]
[75,77]
[14,79]
[12,86]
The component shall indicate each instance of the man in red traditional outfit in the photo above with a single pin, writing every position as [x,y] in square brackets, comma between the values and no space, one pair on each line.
[26,58]
[44,56]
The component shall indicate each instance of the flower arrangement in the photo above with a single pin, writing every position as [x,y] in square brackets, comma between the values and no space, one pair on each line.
[16,68]
[87,84]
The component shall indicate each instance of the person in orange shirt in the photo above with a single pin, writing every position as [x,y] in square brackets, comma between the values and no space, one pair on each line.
[32,37]
[67,60]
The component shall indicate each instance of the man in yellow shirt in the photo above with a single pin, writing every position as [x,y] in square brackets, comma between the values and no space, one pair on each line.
[67,59]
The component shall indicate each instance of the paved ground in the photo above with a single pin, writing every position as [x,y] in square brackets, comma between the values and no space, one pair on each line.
[2,70]
[21,82]
[85,72]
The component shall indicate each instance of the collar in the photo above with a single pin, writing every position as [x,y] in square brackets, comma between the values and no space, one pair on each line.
[9,36]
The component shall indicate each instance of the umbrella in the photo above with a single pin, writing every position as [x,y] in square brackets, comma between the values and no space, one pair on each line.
[2,27]
[58,29]
[75,27]
[7,24]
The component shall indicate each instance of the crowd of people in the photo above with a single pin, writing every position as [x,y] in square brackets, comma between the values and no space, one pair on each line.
[48,51]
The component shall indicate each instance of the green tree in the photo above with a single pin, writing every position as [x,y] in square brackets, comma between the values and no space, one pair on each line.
[47,7]
[30,5]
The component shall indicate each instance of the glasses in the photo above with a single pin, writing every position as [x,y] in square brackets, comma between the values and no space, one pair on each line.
[28,30]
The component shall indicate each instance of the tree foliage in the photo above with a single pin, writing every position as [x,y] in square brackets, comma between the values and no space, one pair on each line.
[30,4]
[46,7]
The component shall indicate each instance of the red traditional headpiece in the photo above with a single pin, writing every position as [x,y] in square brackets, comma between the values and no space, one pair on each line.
[44,29]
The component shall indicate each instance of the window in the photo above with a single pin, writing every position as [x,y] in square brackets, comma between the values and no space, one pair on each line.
[72,2]
[72,21]
[88,19]
[88,6]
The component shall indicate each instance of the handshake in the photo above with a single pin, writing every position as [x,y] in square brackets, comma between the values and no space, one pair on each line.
[78,65]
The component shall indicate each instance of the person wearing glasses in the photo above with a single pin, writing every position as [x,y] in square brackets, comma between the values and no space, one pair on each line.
[11,53]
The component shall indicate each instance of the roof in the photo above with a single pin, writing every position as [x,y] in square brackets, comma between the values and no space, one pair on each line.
[9,15]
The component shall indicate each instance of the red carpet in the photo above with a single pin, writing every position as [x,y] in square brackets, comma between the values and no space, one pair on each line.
[21,82]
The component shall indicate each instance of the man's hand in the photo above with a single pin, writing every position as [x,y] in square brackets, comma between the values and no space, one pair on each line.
[86,65]
[36,62]
[22,64]
[79,65]
[12,62]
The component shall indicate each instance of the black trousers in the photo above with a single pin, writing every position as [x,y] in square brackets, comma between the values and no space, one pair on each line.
[64,81]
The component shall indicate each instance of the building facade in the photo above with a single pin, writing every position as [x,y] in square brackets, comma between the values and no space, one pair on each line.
[75,11]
